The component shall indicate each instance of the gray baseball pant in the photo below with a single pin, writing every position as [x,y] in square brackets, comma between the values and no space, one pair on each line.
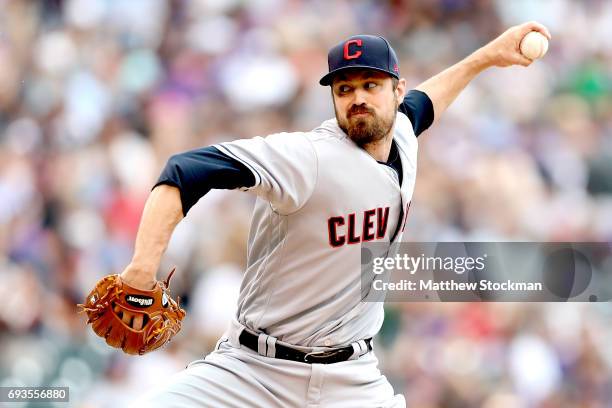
[235,376]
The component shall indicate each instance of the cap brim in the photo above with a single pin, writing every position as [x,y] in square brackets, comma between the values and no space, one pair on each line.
[329,77]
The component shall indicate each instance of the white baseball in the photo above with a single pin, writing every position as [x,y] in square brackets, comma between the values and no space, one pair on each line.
[534,45]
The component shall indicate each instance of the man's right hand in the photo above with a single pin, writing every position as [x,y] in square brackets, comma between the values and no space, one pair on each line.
[504,51]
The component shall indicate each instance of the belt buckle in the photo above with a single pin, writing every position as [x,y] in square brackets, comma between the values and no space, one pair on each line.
[319,355]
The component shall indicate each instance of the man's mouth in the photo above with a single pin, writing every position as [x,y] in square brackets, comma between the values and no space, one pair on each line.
[359,113]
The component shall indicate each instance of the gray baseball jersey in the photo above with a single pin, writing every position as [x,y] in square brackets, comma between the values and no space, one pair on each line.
[319,197]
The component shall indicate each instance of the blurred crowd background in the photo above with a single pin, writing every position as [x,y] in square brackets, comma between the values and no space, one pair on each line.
[95,95]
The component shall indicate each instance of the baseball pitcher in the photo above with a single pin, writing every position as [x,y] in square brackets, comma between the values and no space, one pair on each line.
[301,336]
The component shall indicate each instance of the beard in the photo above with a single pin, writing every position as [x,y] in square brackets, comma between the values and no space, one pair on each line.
[367,129]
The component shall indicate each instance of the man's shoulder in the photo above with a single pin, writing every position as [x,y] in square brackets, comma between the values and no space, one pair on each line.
[326,131]
[403,129]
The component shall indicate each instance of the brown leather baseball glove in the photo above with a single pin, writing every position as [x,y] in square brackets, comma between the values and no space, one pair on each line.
[111,297]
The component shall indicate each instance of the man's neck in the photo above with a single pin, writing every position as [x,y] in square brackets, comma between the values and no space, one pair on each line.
[380,149]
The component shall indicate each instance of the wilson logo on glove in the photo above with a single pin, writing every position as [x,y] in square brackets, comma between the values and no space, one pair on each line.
[139,301]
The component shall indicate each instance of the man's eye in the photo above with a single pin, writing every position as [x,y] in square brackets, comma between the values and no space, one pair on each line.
[344,88]
[370,85]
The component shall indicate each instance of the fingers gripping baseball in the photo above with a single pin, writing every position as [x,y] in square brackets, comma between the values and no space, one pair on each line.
[535,26]
[505,50]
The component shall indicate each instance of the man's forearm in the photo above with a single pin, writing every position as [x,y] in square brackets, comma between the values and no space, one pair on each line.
[444,87]
[194,173]
[161,214]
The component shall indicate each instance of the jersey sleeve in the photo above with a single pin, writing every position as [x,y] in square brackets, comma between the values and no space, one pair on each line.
[419,109]
[196,172]
[284,166]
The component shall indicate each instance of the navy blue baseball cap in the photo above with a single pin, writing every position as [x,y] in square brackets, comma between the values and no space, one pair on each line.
[361,51]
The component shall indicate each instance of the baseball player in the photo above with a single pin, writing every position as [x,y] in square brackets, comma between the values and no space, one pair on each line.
[301,336]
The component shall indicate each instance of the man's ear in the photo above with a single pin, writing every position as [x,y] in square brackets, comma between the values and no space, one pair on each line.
[400,91]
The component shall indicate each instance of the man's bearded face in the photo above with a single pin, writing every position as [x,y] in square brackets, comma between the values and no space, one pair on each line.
[365,105]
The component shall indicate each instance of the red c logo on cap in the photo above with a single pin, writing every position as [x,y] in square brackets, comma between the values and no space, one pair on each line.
[346,49]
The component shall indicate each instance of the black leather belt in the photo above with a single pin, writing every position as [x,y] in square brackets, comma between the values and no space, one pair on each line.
[250,340]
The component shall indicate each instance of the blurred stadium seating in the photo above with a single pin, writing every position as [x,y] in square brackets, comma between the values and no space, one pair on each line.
[95,95]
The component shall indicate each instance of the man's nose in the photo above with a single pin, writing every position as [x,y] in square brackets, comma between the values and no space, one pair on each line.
[359,97]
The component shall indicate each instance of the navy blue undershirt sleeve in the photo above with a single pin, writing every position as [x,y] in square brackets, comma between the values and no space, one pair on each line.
[395,162]
[196,172]
[419,109]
